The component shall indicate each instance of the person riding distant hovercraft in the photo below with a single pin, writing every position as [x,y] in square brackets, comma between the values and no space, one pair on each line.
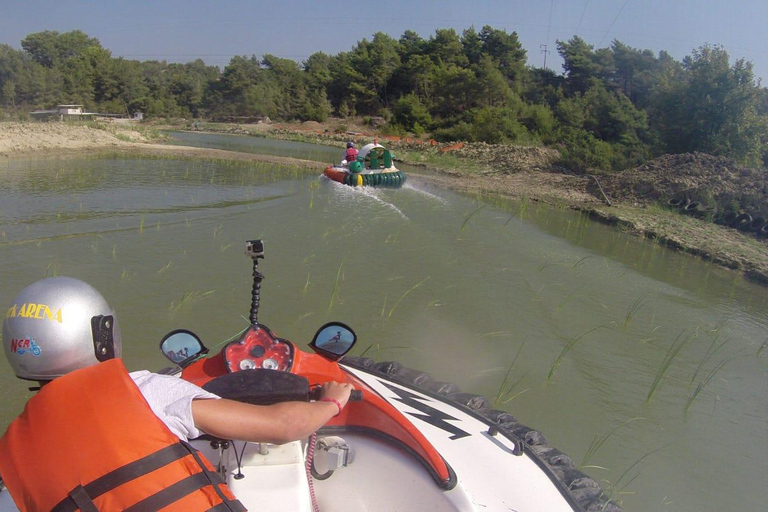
[351,153]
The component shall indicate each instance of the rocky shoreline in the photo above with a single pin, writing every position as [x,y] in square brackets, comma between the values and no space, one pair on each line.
[636,199]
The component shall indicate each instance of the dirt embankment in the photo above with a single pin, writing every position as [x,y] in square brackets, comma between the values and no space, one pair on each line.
[56,138]
[29,137]
[688,202]
[637,199]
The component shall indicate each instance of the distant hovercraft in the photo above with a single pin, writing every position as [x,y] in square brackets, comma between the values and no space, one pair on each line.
[374,167]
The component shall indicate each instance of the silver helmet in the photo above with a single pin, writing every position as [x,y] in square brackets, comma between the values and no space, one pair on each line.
[58,325]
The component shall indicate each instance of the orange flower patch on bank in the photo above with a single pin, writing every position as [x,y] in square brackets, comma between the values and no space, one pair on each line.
[452,147]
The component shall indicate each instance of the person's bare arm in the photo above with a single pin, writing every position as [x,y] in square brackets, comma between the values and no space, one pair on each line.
[277,424]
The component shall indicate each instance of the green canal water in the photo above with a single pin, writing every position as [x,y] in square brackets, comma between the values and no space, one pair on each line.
[646,366]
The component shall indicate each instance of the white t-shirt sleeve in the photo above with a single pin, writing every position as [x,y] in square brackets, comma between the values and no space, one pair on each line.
[171,400]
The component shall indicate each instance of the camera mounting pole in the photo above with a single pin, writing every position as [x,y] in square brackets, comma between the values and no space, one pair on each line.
[255,249]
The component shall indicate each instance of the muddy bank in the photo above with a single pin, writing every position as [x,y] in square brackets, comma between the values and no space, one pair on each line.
[20,138]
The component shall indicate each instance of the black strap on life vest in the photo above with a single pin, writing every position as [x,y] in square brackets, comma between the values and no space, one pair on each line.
[81,497]
[176,491]
[215,481]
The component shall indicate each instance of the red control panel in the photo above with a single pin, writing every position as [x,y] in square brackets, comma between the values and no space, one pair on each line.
[258,348]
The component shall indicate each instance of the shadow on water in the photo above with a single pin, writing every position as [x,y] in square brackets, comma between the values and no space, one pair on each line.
[638,362]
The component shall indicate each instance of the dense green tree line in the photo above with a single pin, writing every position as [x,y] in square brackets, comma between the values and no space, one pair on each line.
[610,108]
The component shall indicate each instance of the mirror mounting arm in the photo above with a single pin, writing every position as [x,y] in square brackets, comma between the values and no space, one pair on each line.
[255,293]
[255,249]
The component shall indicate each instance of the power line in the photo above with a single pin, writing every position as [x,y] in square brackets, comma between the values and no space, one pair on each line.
[546,41]
[549,25]
[614,21]
[586,3]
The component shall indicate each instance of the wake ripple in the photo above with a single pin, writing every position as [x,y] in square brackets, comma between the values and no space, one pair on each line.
[367,194]
[409,187]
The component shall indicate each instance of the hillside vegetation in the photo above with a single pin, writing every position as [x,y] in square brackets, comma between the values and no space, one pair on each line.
[611,109]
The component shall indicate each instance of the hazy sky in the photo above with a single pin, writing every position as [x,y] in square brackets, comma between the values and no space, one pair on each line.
[180,31]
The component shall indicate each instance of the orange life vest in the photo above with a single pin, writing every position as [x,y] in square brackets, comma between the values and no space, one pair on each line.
[89,441]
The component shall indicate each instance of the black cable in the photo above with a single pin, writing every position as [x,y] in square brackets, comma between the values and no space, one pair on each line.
[614,21]
[239,460]
[586,3]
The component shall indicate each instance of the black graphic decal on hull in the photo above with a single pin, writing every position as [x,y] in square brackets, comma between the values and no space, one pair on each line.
[431,415]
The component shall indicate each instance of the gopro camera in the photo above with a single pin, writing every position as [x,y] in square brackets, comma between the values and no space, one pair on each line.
[254,248]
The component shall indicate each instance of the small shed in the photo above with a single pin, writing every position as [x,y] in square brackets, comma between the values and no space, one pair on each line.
[61,113]
[70,110]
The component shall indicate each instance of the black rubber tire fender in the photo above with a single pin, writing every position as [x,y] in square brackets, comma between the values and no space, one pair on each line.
[757,224]
[742,222]
[692,208]
[726,218]
[678,202]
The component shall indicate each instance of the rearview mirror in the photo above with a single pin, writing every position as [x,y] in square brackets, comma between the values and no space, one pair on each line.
[182,347]
[333,340]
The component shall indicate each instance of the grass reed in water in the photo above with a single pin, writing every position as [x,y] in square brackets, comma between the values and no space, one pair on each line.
[404,295]
[580,261]
[677,346]
[336,286]
[469,217]
[189,297]
[711,351]
[614,488]
[566,349]
[598,442]
[636,306]
[494,334]
[703,383]
[379,348]
[505,391]
[52,270]
[570,296]
[548,264]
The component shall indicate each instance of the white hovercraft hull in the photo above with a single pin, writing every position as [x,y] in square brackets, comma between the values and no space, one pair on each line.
[384,477]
